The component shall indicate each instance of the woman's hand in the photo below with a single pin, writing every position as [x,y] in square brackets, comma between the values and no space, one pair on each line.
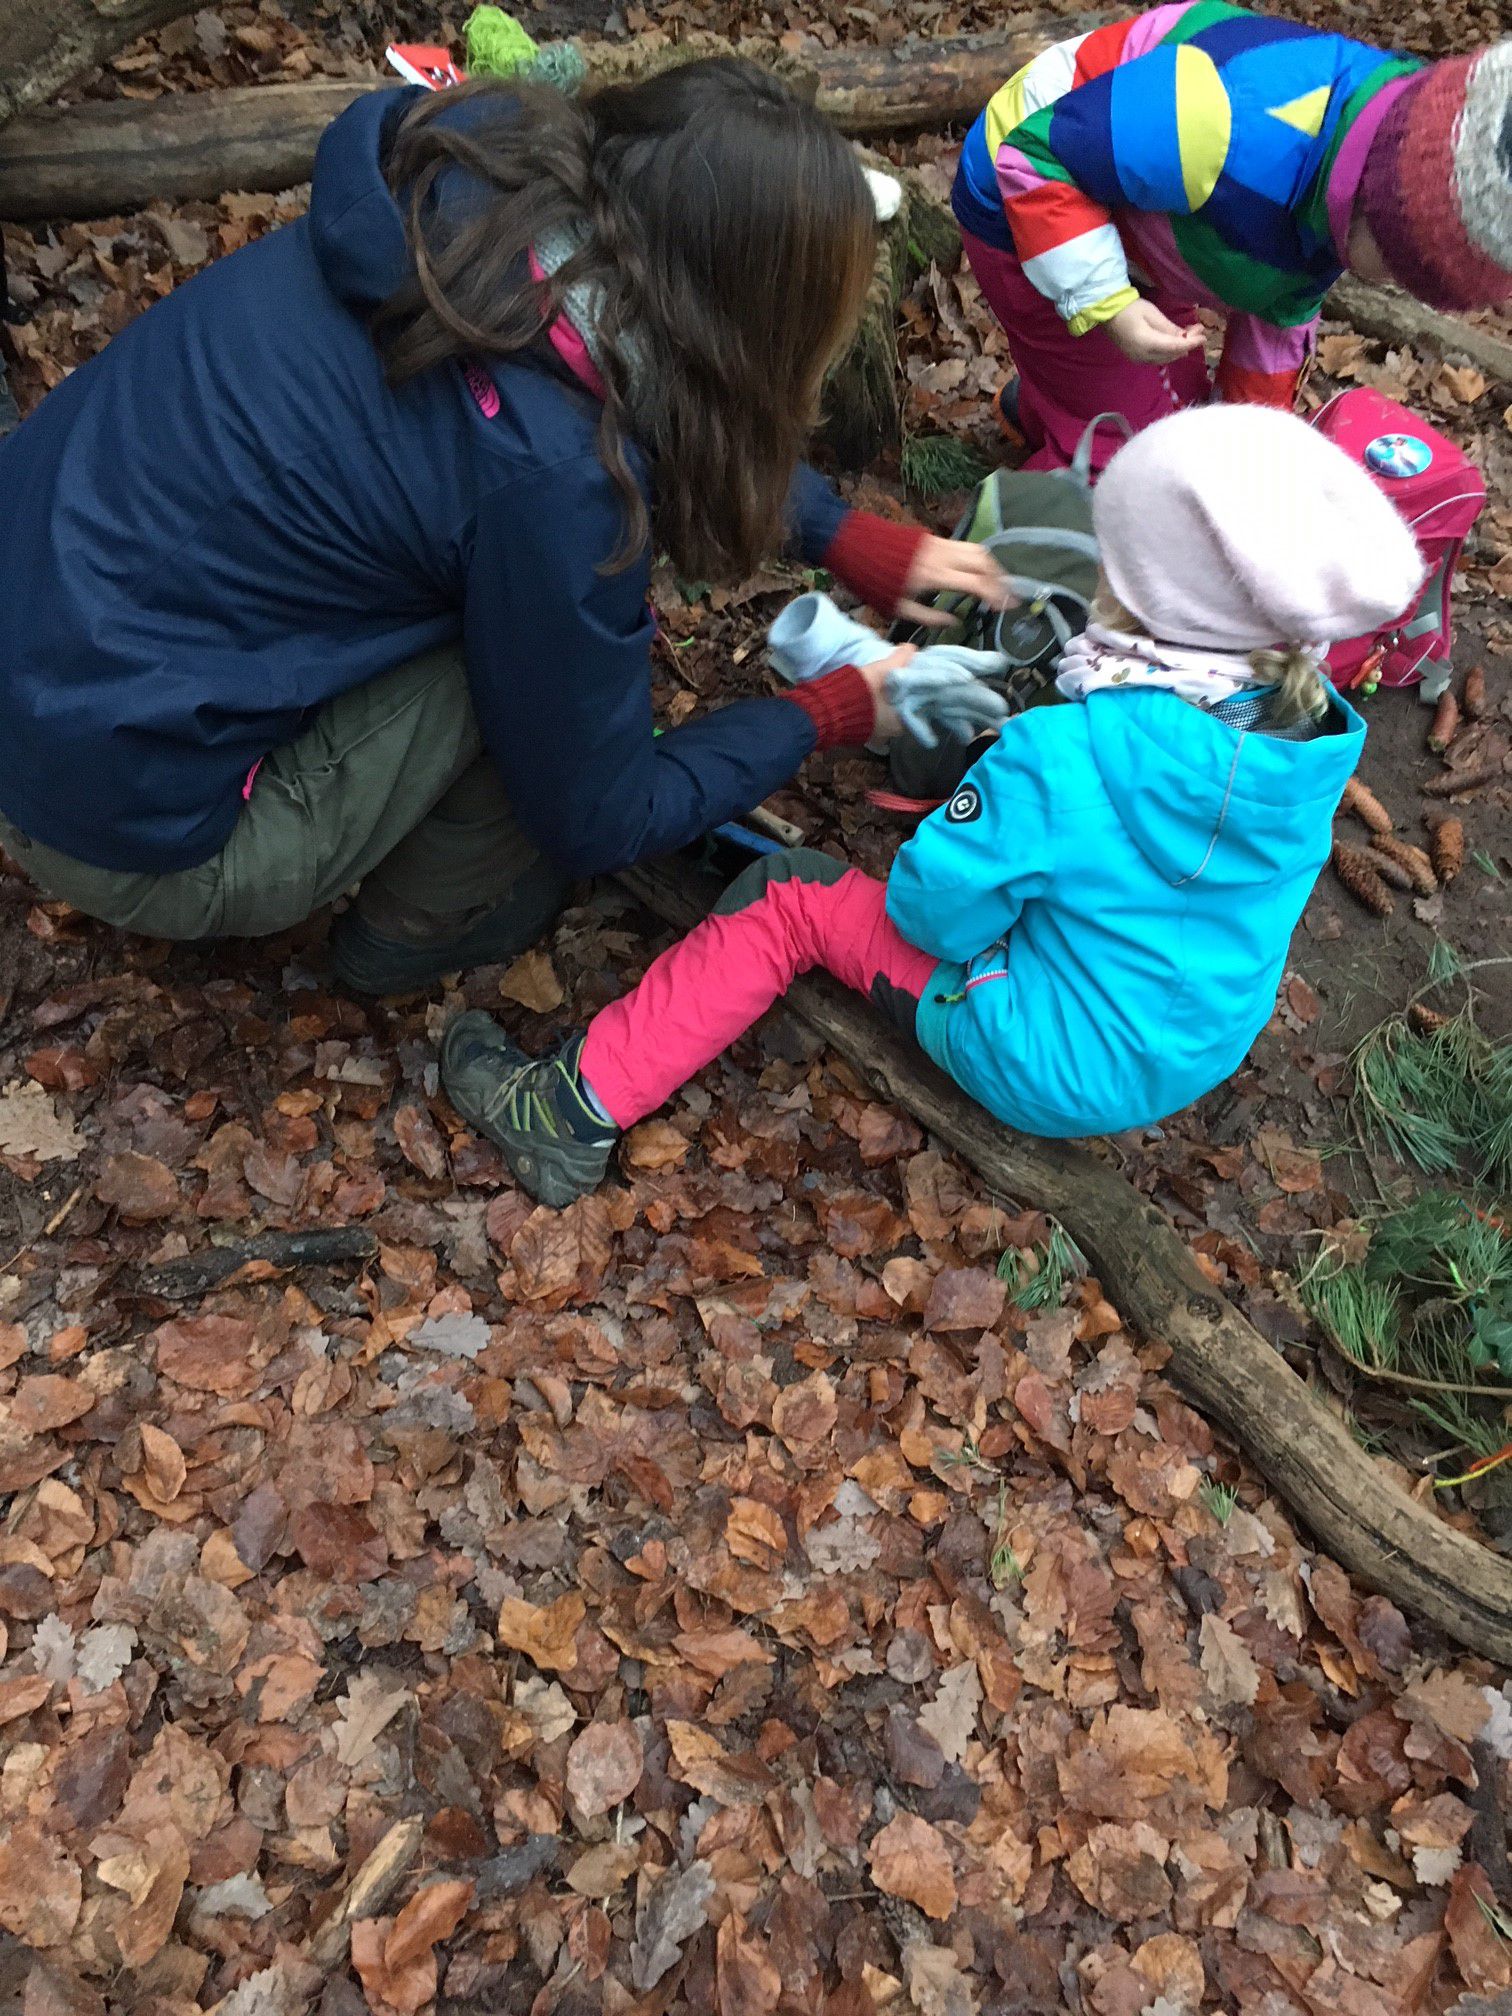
[875,674]
[954,567]
[1145,336]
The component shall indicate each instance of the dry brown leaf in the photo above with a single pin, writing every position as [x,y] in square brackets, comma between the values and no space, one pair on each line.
[30,1124]
[420,1142]
[965,1298]
[654,1144]
[430,1916]
[139,1186]
[804,1414]
[561,1256]
[936,1986]
[546,1635]
[153,1877]
[1172,1965]
[603,1871]
[1121,1872]
[162,1463]
[371,1703]
[669,1913]
[47,1400]
[1482,1955]
[533,982]
[951,1717]
[22,1694]
[747,1982]
[1228,1665]
[604,1766]
[41,1886]
[701,1760]
[910,1859]
[404,1993]
[208,1354]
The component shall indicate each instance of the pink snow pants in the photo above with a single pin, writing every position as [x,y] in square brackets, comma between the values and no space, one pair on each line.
[783,915]
[1066,380]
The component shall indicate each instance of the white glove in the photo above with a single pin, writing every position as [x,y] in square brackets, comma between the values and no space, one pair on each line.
[940,692]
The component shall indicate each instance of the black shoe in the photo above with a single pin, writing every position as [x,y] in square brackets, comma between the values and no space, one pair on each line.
[1007,403]
[534,1109]
[369,961]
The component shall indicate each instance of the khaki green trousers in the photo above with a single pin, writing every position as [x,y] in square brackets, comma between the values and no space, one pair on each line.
[388,786]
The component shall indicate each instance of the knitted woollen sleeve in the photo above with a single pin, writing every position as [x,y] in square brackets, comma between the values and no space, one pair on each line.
[873,557]
[841,706]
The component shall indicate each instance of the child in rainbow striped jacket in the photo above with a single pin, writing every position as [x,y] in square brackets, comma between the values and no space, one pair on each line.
[1200,155]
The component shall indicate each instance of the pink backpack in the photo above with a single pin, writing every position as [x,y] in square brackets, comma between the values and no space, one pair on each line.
[1439,493]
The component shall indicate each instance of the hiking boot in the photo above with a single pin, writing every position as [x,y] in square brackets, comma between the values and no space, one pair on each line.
[369,959]
[536,1110]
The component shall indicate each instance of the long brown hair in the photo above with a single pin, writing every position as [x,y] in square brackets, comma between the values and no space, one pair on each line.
[732,235]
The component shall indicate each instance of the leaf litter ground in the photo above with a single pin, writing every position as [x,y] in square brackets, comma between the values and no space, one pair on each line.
[759,1608]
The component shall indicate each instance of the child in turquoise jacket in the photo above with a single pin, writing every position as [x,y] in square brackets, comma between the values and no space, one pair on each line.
[1089,935]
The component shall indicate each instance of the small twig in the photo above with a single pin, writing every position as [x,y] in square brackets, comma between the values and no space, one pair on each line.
[195,1272]
[1417,1385]
[46,1231]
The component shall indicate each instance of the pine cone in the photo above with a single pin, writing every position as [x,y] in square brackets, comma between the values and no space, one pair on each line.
[1446,720]
[1357,873]
[1366,807]
[1391,870]
[1413,859]
[1475,693]
[1448,848]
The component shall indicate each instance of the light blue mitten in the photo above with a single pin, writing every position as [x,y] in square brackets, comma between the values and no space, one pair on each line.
[941,692]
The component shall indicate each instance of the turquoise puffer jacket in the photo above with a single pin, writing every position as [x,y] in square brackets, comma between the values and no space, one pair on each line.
[1111,893]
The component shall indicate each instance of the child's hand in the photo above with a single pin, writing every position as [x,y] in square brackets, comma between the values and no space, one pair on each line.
[887,724]
[954,567]
[1145,336]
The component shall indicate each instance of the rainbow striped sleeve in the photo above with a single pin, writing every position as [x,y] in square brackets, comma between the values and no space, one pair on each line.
[1121,118]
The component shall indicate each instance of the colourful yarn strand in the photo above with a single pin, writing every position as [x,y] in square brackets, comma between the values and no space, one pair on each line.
[498,46]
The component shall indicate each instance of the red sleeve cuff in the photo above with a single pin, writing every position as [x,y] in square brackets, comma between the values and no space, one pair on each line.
[841,707]
[1239,387]
[873,556]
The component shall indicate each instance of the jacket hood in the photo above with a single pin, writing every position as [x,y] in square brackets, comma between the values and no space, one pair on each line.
[1200,799]
[356,227]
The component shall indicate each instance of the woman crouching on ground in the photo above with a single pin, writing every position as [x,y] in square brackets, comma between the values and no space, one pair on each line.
[332,567]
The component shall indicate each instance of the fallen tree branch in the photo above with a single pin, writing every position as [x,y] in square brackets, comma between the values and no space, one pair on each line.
[1394,317]
[1356,1511]
[97,159]
[46,43]
[94,160]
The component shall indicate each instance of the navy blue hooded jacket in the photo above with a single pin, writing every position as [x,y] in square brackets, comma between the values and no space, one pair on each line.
[229,517]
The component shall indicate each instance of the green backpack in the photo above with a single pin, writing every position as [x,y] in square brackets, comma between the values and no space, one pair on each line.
[1037,524]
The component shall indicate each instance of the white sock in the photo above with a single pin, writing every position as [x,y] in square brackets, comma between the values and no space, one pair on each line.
[595,1104]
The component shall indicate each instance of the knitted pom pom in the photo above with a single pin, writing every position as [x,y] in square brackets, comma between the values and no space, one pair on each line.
[497,46]
[558,63]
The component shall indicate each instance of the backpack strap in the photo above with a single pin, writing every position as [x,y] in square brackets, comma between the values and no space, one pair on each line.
[1065,537]
[1081,461]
